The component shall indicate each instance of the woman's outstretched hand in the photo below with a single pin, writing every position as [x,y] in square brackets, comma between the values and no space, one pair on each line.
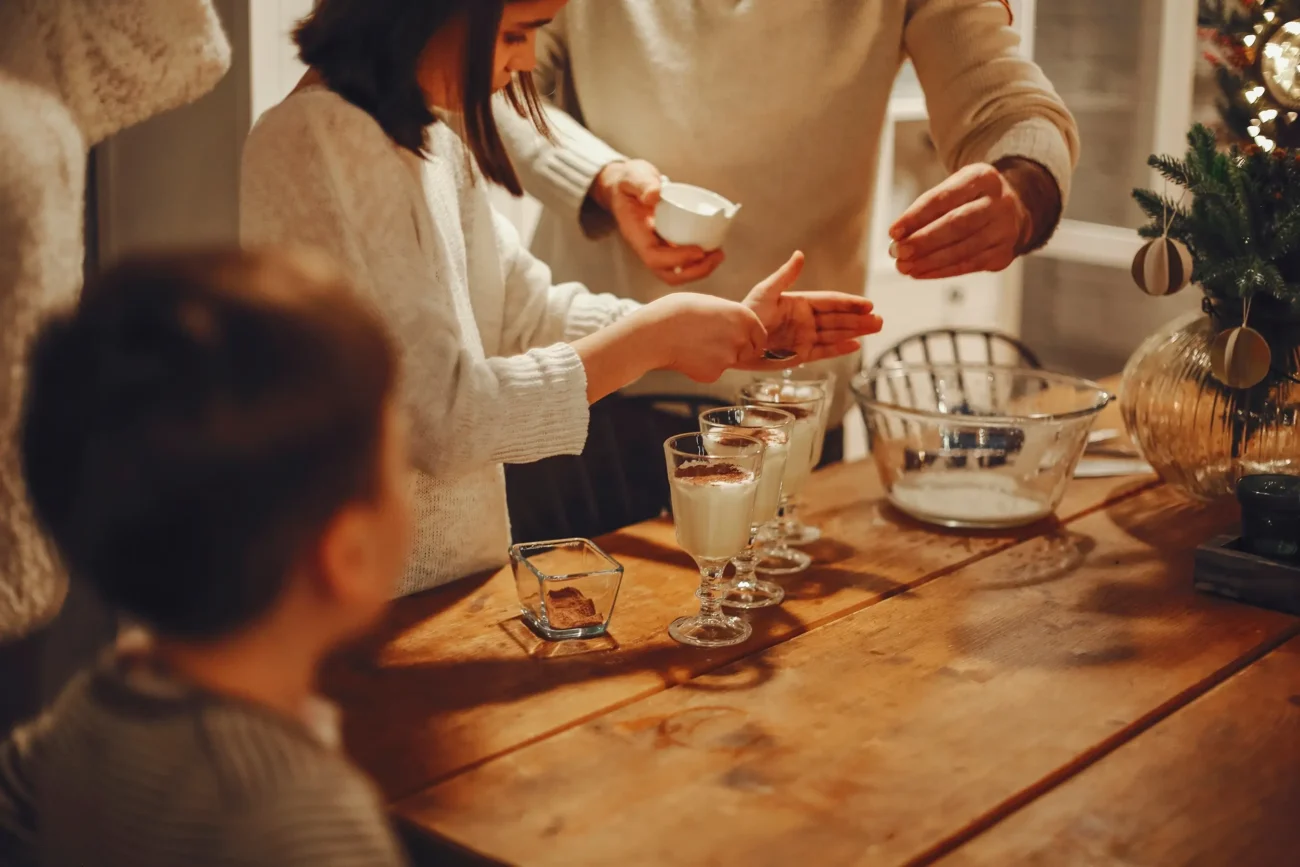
[702,336]
[813,325]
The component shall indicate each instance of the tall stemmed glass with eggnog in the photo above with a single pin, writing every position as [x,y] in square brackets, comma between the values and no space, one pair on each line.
[714,481]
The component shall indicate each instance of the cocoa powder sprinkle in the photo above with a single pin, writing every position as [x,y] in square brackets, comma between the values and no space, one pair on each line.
[704,473]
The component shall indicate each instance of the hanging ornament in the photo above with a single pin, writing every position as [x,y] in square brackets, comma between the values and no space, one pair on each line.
[1240,357]
[1162,267]
[1279,65]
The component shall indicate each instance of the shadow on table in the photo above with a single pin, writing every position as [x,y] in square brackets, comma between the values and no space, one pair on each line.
[424,850]
[1151,519]
[1122,602]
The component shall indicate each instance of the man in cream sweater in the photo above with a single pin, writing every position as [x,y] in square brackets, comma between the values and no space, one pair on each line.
[780,105]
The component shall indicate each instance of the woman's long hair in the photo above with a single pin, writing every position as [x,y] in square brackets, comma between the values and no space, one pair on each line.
[369,51]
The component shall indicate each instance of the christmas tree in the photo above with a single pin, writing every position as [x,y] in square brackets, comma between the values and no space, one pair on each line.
[1242,225]
[1255,47]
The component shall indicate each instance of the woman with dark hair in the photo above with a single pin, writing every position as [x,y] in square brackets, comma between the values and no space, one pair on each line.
[380,156]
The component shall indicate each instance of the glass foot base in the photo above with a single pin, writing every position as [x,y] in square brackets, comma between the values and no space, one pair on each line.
[802,534]
[711,632]
[782,561]
[758,594]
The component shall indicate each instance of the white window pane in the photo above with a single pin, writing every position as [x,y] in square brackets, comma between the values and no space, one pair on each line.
[1102,57]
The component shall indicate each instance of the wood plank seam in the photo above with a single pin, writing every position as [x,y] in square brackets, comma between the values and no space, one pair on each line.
[669,682]
[1101,750]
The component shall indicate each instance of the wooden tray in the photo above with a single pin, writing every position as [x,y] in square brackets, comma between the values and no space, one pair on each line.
[1224,569]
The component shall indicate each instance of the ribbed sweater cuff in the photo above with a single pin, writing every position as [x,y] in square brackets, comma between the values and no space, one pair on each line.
[590,313]
[571,169]
[1039,140]
[544,405]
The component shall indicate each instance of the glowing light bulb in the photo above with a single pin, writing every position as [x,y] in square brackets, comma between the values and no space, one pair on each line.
[1279,65]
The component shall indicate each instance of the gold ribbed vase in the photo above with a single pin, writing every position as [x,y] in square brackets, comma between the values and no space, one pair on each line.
[1198,434]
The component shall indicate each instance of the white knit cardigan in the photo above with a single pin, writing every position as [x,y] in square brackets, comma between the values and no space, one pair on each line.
[72,72]
[489,375]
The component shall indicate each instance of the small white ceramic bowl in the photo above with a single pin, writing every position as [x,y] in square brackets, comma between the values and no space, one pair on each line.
[691,216]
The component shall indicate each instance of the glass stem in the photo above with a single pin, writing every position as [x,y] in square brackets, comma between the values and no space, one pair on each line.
[789,515]
[745,562]
[710,591]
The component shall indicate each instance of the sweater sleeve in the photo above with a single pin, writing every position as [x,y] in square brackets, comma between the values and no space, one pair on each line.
[18,820]
[985,100]
[559,171]
[540,313]
[320,172]
[42,159]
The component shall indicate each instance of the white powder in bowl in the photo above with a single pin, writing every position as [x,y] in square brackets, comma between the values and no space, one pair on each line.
[968,500]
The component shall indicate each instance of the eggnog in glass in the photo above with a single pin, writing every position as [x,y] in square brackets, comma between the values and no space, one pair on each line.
[795,531]
[772,427]
[714,482]
[803,401]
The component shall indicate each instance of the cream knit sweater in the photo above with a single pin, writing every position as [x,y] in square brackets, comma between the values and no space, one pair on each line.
[776,104]
[489,375]
[72,72]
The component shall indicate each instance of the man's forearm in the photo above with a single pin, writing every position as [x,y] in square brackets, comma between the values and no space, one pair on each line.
[1040,196]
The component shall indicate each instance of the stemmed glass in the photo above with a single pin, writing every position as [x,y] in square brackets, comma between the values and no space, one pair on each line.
[796,531]
[714,482]
[772,427]
[804,402]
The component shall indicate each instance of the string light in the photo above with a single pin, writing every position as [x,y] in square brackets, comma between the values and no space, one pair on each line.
[1255,45]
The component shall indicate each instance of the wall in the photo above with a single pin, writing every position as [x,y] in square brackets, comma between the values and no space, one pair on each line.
[174,181]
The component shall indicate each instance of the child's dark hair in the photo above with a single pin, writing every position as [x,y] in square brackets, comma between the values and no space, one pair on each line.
[369,51]
[193,424]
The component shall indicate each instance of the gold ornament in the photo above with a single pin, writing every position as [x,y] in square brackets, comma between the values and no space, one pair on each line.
[1162,267]
[1279,65]
[1240,357]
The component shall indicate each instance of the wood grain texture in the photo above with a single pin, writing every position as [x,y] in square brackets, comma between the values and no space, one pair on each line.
[441,686]
[873,739]
[1218,782]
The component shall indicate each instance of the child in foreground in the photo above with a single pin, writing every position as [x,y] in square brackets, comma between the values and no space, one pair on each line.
[211,441]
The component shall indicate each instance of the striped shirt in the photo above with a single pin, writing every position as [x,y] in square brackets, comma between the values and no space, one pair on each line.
[136,771]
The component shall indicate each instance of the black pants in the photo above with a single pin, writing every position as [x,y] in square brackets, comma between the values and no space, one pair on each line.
[617,481]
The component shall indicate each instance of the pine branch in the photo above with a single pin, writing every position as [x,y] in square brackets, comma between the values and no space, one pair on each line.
[1159,208]
[1173,170]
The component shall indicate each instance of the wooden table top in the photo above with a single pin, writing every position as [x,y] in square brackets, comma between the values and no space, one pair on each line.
[1052,695]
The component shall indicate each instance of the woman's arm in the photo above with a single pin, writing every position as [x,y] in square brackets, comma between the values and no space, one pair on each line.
[617,339]
[538,312]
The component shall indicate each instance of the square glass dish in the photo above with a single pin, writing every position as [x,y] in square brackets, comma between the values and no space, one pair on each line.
[567,588]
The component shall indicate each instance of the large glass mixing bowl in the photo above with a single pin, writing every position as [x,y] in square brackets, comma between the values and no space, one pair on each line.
[976,446]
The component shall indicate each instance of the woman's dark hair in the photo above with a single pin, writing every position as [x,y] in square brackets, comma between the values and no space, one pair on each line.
[369,51]
[194,423]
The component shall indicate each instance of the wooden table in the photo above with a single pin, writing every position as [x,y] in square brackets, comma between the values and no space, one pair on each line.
[1054,695]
